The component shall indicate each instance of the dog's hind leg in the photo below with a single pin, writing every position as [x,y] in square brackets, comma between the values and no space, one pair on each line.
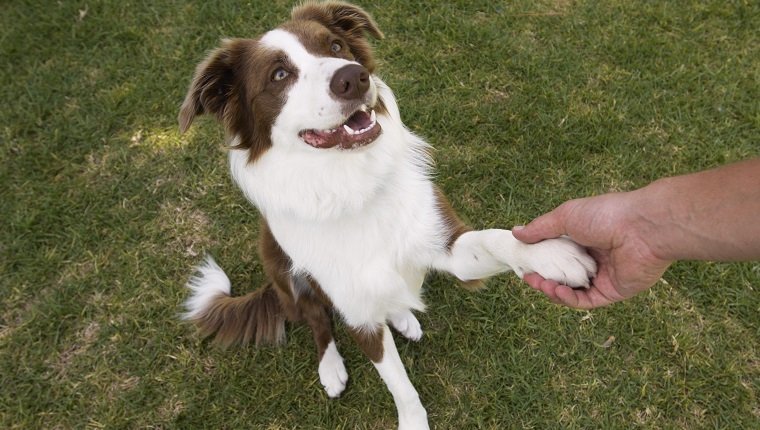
[314,308]
[303,300]
[378,345]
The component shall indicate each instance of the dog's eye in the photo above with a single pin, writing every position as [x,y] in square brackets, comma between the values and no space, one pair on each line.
[280,74]
[336,47]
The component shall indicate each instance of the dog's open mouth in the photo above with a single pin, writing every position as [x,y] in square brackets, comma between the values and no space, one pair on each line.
[360,129]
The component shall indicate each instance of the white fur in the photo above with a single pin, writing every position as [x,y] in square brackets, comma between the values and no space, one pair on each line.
[332,372]
[480,254]
[323,111]
[364,222]
[407,324]
[411,414]
[209,282]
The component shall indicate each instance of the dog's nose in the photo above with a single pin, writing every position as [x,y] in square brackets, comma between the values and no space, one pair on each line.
[350,82]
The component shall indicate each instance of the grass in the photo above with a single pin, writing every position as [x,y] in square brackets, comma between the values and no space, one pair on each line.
[104,209]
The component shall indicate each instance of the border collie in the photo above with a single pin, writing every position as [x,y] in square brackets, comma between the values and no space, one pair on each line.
[351,220]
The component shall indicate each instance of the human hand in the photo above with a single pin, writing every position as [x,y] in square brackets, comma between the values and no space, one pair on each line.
[615,233]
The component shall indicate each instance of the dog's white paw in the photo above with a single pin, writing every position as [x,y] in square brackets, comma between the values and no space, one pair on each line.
[406,324]
[559,259]
[332,372]
[413,417]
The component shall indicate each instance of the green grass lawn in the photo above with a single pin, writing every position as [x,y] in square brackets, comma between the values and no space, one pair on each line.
[105,208]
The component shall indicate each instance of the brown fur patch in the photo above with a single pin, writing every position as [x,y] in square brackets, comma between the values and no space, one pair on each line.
[312,306]
[233,83]
[256,317]
[318,25]
[317,316]
[318,39]
[473,285]
[380,108]
[347,21]
[277,267]
[370,342]
[453,225]
[260,316]
[454,228]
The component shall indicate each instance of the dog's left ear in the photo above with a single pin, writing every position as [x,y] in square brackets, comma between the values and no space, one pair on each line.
[350,20]
[211,89]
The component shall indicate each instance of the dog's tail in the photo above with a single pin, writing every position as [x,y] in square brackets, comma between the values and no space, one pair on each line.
[256,316]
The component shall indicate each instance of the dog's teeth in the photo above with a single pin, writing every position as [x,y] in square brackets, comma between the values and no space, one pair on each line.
[372,116]
[348,129]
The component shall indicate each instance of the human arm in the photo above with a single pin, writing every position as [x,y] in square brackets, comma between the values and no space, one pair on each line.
[635,236]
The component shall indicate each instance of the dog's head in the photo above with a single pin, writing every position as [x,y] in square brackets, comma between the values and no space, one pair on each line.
[309,82]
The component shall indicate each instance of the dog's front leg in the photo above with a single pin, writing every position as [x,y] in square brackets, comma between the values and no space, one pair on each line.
[377,343]
[480,254]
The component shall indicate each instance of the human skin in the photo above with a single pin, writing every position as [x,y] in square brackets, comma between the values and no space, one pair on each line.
[635,236]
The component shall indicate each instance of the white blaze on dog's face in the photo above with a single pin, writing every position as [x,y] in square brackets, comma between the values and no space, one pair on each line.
[306,85]
[331,98]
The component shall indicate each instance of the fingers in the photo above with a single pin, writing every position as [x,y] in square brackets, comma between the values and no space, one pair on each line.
[564,295]
[560,294]
[546,286]
[534,280]
[547,226]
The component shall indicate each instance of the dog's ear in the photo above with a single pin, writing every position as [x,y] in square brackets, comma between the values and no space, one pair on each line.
[350,20]
[346,20]
[210,89]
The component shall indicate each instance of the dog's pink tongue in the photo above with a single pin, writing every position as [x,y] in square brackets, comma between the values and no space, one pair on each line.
[321,139]
[363,131]
[359,121]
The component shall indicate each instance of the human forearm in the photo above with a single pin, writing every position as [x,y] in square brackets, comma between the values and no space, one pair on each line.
[710,215]
[635,236]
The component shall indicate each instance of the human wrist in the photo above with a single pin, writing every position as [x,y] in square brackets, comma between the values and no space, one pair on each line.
[652,219]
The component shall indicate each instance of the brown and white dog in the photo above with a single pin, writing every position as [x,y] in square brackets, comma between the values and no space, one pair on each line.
[350,218]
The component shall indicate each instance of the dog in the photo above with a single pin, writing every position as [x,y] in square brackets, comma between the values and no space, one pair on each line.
[350,219]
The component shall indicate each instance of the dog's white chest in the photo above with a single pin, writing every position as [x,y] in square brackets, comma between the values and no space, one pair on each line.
[370,266]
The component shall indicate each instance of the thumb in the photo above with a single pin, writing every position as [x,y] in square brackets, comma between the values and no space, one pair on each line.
[547,226]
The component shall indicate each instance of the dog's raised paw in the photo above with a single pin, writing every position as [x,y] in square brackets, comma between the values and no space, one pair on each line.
[561,260]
